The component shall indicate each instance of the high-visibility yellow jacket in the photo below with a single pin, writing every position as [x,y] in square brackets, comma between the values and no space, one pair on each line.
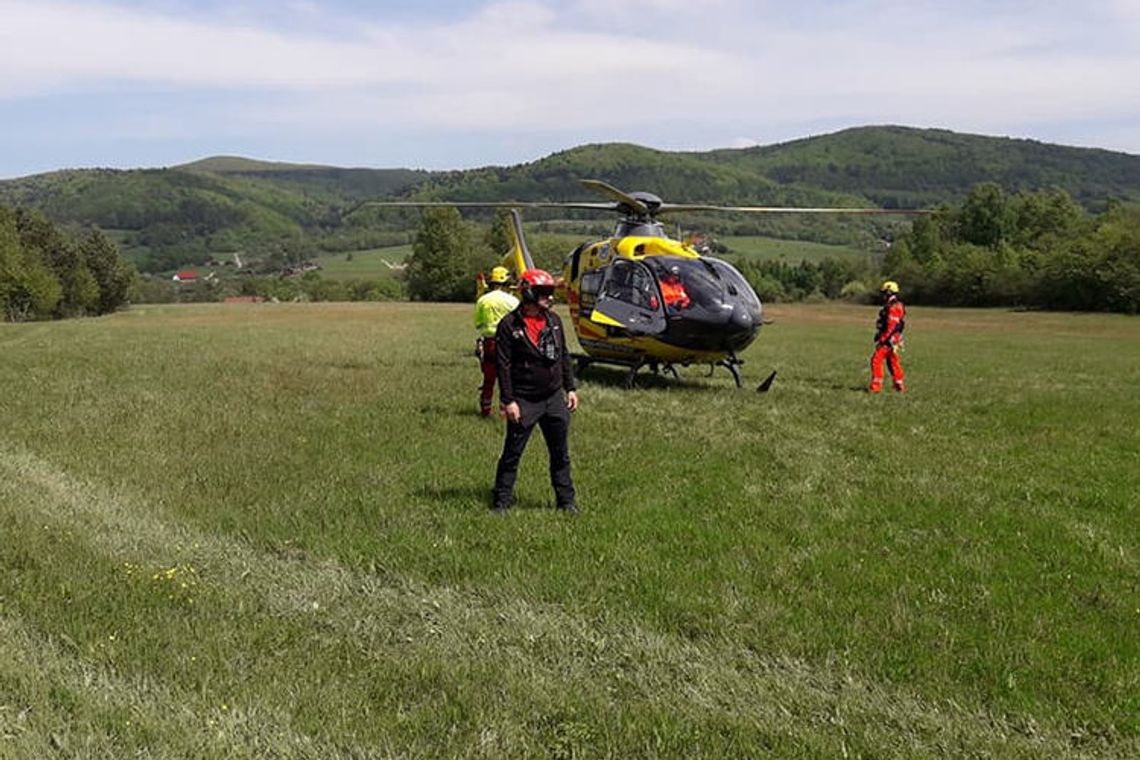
[490,308]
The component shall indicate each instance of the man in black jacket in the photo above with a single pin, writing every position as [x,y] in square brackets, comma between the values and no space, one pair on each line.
[536,386]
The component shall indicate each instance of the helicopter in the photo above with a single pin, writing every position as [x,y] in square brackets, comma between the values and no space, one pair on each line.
[641,299]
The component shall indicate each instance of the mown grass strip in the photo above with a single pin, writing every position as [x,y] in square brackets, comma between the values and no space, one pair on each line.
[394,664]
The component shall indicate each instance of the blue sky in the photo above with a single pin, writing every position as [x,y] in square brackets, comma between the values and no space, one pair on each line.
[444,84]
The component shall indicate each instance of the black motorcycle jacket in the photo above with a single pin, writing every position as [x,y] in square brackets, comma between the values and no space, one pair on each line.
[528,371]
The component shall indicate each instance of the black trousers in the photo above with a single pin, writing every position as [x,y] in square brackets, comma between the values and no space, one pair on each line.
[553,418]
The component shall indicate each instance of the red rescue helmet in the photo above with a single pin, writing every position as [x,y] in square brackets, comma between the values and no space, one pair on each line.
[535,283]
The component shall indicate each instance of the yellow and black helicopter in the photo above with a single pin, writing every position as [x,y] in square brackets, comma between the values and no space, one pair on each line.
[640,299]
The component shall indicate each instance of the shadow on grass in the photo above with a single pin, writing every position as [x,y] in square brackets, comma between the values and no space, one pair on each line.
[832,384]
[466,498]
[615,377]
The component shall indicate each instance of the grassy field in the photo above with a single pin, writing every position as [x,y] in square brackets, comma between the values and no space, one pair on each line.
[261,531]
[364,265]
[791,251]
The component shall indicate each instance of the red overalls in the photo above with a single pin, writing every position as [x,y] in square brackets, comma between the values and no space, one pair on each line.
[488,364]
[888,337]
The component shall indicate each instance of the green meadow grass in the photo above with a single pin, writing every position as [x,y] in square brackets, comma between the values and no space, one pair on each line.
[262,531]
[791,251]
[371,264]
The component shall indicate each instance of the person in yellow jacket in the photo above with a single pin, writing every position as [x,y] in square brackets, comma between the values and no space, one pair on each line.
[492,306]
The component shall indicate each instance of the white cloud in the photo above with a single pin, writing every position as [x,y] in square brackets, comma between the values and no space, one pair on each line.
[655,71]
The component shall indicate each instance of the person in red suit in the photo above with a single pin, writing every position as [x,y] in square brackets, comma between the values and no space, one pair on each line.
[888,339]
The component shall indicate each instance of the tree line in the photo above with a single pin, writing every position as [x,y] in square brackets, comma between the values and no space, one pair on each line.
[46,273]
[1036,249]
[448,254]
[1030,249]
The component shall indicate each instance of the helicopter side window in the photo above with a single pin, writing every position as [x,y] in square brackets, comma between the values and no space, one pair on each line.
[575,259]
[632,284]
[588,291]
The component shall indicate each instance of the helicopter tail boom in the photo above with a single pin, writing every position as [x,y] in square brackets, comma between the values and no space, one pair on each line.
[518,259]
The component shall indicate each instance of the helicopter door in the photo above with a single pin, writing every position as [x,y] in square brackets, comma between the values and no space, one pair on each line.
[629,299]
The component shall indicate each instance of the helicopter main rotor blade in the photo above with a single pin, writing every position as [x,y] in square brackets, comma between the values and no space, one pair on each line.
[787,209]
[608,190]
[628,202]
[494,204]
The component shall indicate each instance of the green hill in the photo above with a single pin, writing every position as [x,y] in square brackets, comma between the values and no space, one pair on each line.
[166,218]
[169,217]
[335,182]
[888,166]
[900,167]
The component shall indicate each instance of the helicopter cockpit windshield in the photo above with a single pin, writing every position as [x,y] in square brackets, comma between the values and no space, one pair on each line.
[706,295]
[699,303]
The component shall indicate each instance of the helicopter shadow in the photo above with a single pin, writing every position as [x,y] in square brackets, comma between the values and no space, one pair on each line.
[618,377]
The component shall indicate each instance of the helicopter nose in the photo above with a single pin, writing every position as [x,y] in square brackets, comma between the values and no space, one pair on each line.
[743,325]
[742,318]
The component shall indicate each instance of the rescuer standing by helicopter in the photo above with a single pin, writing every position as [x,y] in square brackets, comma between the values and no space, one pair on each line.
[491,307]
[536,386]
[888,338]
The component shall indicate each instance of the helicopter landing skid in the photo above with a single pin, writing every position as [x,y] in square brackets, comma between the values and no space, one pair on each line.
[656,367]
[732,364]
[583,361]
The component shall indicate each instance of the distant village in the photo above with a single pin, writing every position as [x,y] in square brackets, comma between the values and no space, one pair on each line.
[189,276]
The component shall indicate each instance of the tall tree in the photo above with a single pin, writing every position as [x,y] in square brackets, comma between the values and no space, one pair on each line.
[498,236]
[441,267]
[28,289]
[1045,217]
[43,239]
[985,218]
[112,274]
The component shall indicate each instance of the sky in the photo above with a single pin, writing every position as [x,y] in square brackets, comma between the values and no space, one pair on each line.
[456,84]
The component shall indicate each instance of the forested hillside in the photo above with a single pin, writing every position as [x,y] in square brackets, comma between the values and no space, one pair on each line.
[901,167]
[309,179]
[164,219]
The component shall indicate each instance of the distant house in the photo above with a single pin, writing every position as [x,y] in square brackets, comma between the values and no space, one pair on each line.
[299,269]
[187,275]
